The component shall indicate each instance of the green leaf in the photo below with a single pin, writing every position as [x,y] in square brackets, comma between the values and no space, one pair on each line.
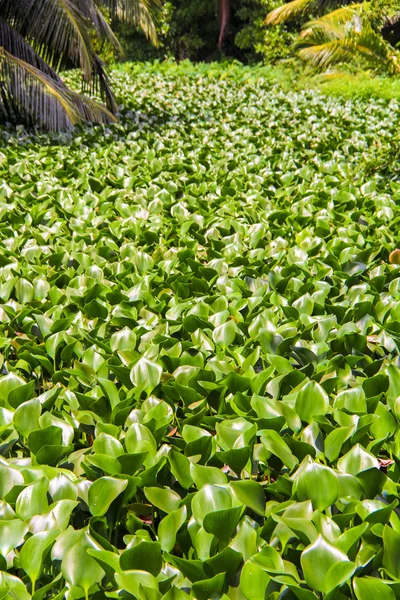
[21,394]
[145,556]
[227,561]
[12,533]
[367,588]
[77,566]
[311,401]
[14,585]
[9,478]
[110,390]
[202,475]
[357,460]
[319,484]
[145,375]
[224,335]
[207,588]
[31,554]
[48,436]
[139,439]
[134,581]
[169,527]
[8,383]
[335,440]
[165,499]
[24,291]
[222,523]
[125,339]
[317,560]
[275,444]
[175,594]
[108,561]
[251,494]
[209,499]
[391,552]
[338,574]
[33,499]
[254,581]
[26,417]
[108,444]
[103,492]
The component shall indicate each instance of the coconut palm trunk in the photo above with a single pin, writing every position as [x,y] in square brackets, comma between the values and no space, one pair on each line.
[225,15]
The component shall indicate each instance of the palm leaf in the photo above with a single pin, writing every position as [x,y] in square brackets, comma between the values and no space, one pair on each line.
[288,11]
[333,39]
[61,34]
[330,27]
[92,12]
[374,48]
[329,53]
[31,96]
[298,8]
[141,13]
[28,95]
[90,110]
[14,43]
[55,28]
[335,19]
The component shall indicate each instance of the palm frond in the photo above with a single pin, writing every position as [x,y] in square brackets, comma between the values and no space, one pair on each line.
[374,48]
[141,13]
[61,34]
[90,110]
[298,8]
[104,85]
[92,12]
[331,26]
[332,40]
[55,28]
[328,53]
[14,43]
[288,11]
[334,20]
[28,95]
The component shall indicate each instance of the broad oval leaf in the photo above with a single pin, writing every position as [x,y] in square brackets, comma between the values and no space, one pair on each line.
[311,401]
[316,562]
[318,484]
[103,492]
[146,375]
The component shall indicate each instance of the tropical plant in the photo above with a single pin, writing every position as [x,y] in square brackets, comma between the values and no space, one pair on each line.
[348,33]
[343,36]
[40,37]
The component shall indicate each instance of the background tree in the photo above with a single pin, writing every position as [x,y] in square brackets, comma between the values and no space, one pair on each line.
[38,38]
[191,29]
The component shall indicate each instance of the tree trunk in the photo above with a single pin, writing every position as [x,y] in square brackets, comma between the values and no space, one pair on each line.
[225,14]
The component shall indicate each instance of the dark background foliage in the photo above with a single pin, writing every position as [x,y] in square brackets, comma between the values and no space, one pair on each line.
[189,29]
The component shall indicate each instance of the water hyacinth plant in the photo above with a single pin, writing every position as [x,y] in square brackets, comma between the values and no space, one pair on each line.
[200,384]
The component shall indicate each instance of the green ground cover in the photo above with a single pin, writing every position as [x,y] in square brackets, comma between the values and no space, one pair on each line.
[199,329]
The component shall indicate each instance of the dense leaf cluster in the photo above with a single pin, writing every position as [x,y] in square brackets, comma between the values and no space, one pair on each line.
[199,331]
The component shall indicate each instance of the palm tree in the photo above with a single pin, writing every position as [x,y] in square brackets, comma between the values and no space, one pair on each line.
[38,38]
[350,31]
